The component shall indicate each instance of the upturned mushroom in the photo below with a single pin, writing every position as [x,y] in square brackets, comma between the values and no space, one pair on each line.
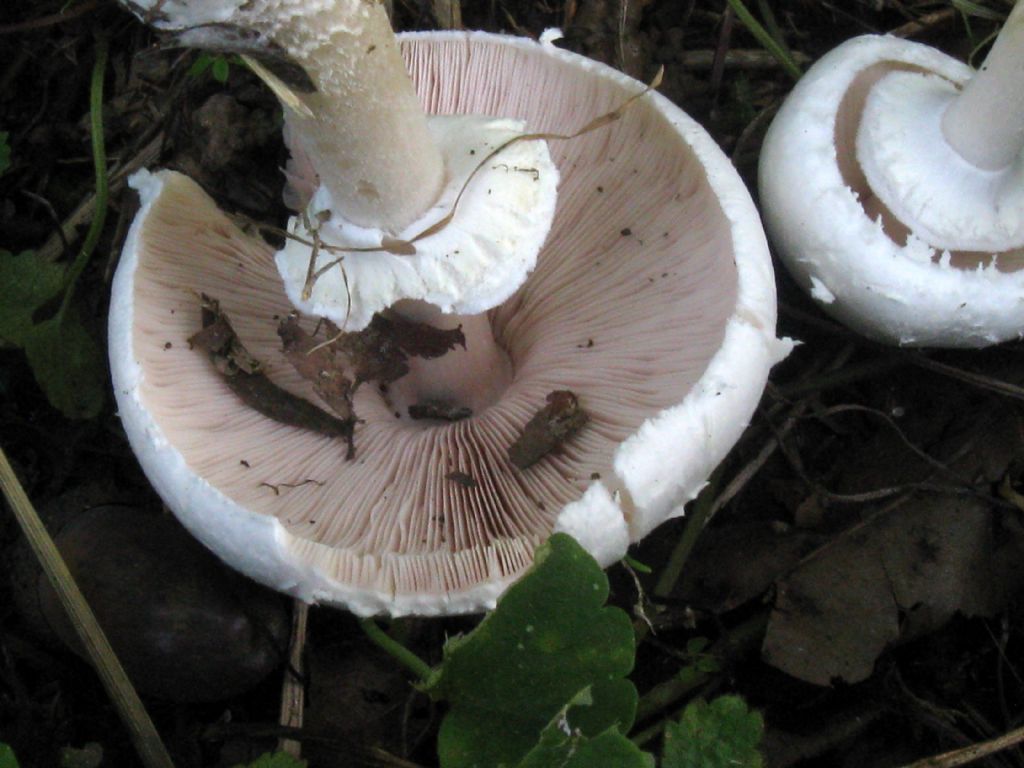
[594,397]
[892,185]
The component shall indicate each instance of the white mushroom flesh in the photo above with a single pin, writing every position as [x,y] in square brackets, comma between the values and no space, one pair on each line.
[652,300]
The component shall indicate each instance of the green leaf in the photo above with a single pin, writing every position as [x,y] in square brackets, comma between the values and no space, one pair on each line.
[65,359]
[201,64]
[564,746]
[275,760]
[549,641]
[695,645]
[68,365]
[5,152]
[721,734]
[220,70]
[7,758]
[29,282]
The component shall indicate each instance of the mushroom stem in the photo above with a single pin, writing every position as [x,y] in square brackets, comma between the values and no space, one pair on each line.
[985,124]
[353,107]
[363,128]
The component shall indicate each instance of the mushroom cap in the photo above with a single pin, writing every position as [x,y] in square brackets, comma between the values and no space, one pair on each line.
[823,178]
[653,300]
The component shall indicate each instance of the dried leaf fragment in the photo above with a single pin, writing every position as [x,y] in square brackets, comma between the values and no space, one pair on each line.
[244,376]
[439,409]
[318,364]
[551,426]
[462,478]
[380,352]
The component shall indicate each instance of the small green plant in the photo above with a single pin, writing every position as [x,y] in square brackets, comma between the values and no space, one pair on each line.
[7,758]
[543,674]
[218,66]
[37,309]
[541,681]
[698,664]
[275,760]
[723,733]
[65,359]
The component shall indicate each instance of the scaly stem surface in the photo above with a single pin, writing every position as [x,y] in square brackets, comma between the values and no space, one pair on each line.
[363,128]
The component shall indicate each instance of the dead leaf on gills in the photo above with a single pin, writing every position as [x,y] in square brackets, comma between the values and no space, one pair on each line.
[244,376]
[551,426]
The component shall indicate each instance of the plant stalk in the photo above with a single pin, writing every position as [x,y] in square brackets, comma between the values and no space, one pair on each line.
[99,160]
[141,729]
[396,650]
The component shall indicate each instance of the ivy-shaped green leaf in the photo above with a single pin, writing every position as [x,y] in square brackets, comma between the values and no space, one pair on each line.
[68,365]
[563,744]
[724,733]
[66,361]
[29,282]
[7,758]
[549,640]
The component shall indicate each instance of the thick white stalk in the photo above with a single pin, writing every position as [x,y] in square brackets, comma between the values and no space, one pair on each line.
[363,127]
[985,124]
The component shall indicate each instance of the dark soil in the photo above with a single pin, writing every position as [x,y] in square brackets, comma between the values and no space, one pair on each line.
[894,471]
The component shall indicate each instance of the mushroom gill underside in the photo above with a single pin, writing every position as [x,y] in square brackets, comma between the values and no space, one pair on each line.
[848,122]
[629,302]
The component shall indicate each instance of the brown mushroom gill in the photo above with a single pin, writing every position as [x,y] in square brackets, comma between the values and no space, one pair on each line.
[627,305]
[848,119]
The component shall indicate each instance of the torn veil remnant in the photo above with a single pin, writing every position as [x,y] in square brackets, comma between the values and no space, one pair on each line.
[892,185]
[432,516]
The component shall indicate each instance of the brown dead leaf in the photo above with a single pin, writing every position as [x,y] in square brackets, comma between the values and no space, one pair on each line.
[442,410]
[898,575]
[733,564]
[551,426]
[244,376]
[317,364]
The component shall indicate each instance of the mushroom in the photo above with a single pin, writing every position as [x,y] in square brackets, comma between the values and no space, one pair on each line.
[892,186]
[651,305]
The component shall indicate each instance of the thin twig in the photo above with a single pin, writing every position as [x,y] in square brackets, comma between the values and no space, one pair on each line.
[925,23]
[973,752]
[736,58]
[141,729]
[148,155]
[54,18]
[979,380]
[293,689]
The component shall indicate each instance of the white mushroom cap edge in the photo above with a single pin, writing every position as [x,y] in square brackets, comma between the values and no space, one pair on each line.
[658,469]
[909,295]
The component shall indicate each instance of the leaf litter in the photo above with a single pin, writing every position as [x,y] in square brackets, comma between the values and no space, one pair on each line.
[335,368]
